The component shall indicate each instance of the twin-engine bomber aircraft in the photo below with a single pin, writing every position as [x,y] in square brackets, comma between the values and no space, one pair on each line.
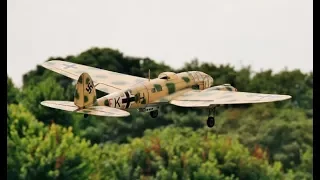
[185,89]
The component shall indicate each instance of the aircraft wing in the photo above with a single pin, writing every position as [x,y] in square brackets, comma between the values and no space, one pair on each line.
[106,81]
[209,97]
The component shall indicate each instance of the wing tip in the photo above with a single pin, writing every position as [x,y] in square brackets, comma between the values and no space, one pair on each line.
[287,97]
[45,103]
[47,63]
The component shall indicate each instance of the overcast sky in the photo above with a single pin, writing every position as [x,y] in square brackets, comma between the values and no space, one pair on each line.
[266,34]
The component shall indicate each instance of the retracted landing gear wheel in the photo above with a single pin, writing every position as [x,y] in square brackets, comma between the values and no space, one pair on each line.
[154,114]
[85,115]
[210,122]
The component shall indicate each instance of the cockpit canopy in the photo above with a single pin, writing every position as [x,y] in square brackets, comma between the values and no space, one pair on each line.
[167,75]
[201,79]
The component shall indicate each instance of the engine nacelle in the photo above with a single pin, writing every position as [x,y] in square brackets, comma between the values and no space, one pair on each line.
[148,109]
[224,87]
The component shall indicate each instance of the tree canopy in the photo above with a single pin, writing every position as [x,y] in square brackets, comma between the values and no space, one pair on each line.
[262,141]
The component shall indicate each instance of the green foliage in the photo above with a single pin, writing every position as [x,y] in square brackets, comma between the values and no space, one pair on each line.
[199,154]
[36,151]
[48,89]
[13,92]
[284,133]
[262,141]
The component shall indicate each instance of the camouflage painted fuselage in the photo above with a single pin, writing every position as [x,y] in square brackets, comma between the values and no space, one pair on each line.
[160,90]
[185,89]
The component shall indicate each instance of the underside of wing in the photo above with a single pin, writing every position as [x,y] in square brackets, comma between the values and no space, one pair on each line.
[209,97]
[93,110]
[106,81]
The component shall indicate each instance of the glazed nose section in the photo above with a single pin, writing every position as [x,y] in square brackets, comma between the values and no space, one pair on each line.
[211,81]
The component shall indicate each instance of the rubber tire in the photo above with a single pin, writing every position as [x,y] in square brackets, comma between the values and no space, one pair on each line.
[85,115]
[154,114]
[210,122]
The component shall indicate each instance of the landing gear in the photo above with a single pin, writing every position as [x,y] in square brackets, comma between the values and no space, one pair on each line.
[211,120]
[85,115]
[154,114]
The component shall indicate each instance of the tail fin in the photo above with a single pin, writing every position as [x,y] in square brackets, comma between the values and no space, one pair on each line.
[85,93]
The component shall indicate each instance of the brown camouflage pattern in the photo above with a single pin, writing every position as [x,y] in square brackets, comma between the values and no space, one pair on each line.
[156,90]
[186,89]
[85,93]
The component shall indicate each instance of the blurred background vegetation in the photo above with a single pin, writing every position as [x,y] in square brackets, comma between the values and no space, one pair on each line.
[262,141]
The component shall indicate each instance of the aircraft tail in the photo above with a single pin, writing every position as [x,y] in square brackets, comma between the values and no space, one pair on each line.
[84,101]
[85,92]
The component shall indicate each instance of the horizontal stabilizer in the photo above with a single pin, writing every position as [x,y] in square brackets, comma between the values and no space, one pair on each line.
[92,110]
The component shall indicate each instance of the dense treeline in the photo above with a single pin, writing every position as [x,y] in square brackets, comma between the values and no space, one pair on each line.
[263,141]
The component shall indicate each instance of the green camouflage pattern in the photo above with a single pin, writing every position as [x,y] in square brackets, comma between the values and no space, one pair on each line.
[186,89]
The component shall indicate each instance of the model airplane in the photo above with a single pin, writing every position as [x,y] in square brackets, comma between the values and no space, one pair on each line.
[185,89]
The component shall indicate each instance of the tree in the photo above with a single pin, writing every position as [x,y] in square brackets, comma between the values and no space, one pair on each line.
[285,134]
[271,137]
[47,89]
[180,153]
[36,151]
[13,92]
